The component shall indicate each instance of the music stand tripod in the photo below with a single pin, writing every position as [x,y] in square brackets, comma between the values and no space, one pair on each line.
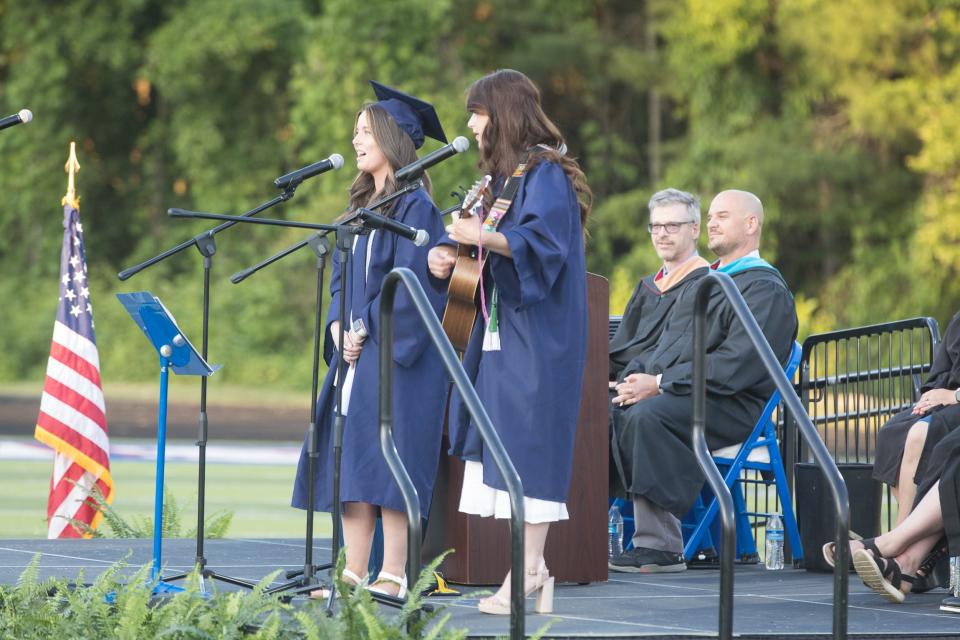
[175,353]
[207,247]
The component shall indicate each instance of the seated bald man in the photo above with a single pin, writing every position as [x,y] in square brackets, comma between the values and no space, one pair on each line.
[652,413]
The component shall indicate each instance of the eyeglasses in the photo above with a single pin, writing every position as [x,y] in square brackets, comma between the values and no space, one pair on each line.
[670,227]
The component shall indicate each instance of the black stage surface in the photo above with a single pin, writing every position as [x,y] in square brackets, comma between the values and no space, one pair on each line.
[791,604]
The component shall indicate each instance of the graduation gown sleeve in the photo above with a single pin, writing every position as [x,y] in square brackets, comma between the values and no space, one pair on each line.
[539,241]
[333,310]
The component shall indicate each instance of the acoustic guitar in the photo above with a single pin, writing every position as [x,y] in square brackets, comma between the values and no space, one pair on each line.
[462,292]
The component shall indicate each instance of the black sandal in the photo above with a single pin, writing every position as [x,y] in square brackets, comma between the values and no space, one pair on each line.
[883,575]
[927,577]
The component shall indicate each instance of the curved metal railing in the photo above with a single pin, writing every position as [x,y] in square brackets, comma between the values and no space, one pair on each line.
[490,438]
[817,447]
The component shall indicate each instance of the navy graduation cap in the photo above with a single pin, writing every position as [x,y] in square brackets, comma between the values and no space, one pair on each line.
[416,117]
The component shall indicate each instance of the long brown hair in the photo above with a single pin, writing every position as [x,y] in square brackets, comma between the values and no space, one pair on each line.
[517,124]
[397,148]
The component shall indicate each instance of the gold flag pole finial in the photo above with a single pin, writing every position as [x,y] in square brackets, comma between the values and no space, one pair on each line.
[72,168]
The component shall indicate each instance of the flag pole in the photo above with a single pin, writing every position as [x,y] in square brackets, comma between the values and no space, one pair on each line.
[78,435]
[72,168]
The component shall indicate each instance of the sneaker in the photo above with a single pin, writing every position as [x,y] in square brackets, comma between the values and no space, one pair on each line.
[951,604]
[643,560]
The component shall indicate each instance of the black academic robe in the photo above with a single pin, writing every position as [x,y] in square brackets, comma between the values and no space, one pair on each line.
[651,441]
[948,452]
[644,320]
[419,379]
[944,374]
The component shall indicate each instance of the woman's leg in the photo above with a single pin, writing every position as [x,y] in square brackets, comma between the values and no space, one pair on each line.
[394,549]
[906,489]
[359,519]
[925,523]
[535,539]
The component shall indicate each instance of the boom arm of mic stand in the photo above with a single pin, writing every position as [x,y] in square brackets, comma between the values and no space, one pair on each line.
[240,276]
[283,197]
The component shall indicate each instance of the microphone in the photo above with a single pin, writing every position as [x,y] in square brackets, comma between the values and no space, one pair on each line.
[294,178]
[21,117]
[415,169]
[374,220]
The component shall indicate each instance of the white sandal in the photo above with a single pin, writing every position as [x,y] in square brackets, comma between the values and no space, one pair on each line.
[389,577]
[348,576]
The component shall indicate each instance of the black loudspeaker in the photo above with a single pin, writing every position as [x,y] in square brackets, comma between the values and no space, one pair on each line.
[815,512]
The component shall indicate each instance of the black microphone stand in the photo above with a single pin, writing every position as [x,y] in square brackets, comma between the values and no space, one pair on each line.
[304,581]
[207,247]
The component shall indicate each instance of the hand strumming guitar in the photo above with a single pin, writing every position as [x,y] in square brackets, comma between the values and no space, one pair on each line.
[441,260]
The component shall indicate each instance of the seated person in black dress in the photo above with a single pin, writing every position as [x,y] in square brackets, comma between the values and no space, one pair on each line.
[905,442]
[904,559]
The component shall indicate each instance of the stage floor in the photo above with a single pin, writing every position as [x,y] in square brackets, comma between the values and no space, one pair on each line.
[791,604]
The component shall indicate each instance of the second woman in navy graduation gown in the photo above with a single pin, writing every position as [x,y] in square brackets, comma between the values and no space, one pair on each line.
[530,386]
[386,135]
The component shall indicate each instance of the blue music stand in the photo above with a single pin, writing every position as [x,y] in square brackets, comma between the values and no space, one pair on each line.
[175,353]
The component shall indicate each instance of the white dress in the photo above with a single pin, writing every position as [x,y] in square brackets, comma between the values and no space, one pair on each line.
[482,500]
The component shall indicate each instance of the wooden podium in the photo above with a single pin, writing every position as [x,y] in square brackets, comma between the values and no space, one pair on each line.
[576,548]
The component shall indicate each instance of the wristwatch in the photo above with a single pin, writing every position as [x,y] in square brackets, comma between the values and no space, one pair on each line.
[956,395]
[359,328]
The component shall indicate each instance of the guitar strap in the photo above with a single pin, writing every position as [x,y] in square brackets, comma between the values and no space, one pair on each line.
[491,335]
[502,204]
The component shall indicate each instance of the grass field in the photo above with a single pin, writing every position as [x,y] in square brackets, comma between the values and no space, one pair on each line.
[258,495]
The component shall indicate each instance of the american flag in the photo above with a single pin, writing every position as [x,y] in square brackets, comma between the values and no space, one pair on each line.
[72,412]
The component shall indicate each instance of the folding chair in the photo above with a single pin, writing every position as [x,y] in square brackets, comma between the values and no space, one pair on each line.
[760,452]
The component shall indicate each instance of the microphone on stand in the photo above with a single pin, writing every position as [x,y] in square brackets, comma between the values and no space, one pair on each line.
[374,220]
[294,178]
[21,117]
[415,169]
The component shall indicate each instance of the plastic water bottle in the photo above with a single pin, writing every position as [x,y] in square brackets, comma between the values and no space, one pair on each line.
[955,576]
[615,529]
[773,560]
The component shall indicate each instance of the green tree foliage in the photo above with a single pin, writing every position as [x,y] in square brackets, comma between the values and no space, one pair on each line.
[842,115]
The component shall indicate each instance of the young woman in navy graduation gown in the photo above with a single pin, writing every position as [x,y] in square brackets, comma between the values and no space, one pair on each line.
[386,136]
[535,276]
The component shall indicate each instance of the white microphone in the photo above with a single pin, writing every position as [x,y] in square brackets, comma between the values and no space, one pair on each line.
[415,169]
[21,117]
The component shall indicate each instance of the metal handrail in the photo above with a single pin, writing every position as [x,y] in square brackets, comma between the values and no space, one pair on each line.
[490,438]
[820,453]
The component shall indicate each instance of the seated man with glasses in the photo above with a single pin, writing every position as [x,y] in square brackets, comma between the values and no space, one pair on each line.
[674,228]
[652,410]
